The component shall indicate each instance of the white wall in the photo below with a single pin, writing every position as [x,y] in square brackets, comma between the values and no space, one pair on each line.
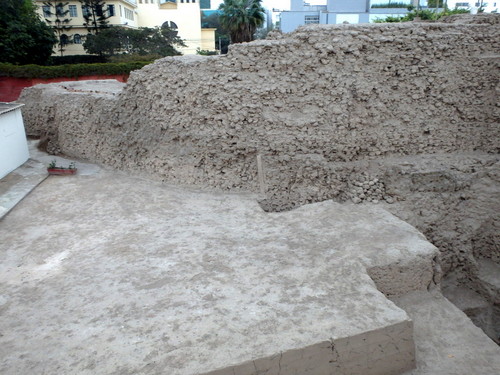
[185,15]
[13,145]
[349,6]
[291,20]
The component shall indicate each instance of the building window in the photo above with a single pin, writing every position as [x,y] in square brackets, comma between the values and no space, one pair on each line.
[311,19]
[171,27]
[72,11]
[60,10]
[85,11]
[77,39]
[64,40]
[98,11]
[46,11]
[111,10]
[129,14]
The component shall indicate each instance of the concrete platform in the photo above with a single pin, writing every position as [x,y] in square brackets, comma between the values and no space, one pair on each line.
[108,274]
[19,183]
[447,342]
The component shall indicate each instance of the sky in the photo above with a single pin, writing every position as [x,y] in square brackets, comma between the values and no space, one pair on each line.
[269,4]
[274,4]
[277,4]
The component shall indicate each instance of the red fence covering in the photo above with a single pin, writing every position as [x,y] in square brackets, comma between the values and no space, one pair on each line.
[10,87]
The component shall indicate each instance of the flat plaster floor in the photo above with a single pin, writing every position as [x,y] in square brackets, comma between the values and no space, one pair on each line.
[108,274]
[17,184]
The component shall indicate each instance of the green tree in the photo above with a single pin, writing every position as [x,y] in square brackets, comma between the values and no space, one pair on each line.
[241,18]
[424,14]
[24,37]
[95,14]
[435,3]
[108,42]
[60,24]
[141,41]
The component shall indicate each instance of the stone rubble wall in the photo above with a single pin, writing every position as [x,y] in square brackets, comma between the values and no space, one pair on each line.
[310,103]
[404,115]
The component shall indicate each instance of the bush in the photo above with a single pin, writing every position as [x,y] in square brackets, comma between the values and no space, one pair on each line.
[423,14]
[72,71]
[76,59]
[390,19]
[129,57]
[206,52]
[391,5]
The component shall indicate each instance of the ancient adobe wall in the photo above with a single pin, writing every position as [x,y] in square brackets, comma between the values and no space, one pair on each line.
[403,114]
[304,101]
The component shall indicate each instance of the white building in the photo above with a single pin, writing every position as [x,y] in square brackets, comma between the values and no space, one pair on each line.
[360,11]
[13,146]
[182,15]
[488,6]
[336,12]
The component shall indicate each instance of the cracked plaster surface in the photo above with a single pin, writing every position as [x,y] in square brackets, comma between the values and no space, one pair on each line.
[109,273]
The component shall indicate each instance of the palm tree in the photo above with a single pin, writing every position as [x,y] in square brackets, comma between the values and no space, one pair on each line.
[241,18]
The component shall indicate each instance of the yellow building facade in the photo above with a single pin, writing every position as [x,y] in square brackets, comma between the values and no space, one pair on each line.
[182,15]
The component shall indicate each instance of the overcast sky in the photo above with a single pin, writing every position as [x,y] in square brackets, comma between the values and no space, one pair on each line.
[270,4]
[277,4]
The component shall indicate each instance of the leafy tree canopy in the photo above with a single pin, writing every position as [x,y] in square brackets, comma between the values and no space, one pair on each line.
[435,3]
[424,14]
[142,41]
[241,18]
[24,38]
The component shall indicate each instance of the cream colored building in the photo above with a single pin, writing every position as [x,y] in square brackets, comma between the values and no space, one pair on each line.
[183,15]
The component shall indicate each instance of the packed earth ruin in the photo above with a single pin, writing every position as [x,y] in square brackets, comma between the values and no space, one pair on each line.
[338,132]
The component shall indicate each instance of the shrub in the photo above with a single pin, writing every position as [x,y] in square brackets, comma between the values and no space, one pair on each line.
[391,5]
[129,57]
[76,59]
[206,52]
[423,14]
[73,70]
